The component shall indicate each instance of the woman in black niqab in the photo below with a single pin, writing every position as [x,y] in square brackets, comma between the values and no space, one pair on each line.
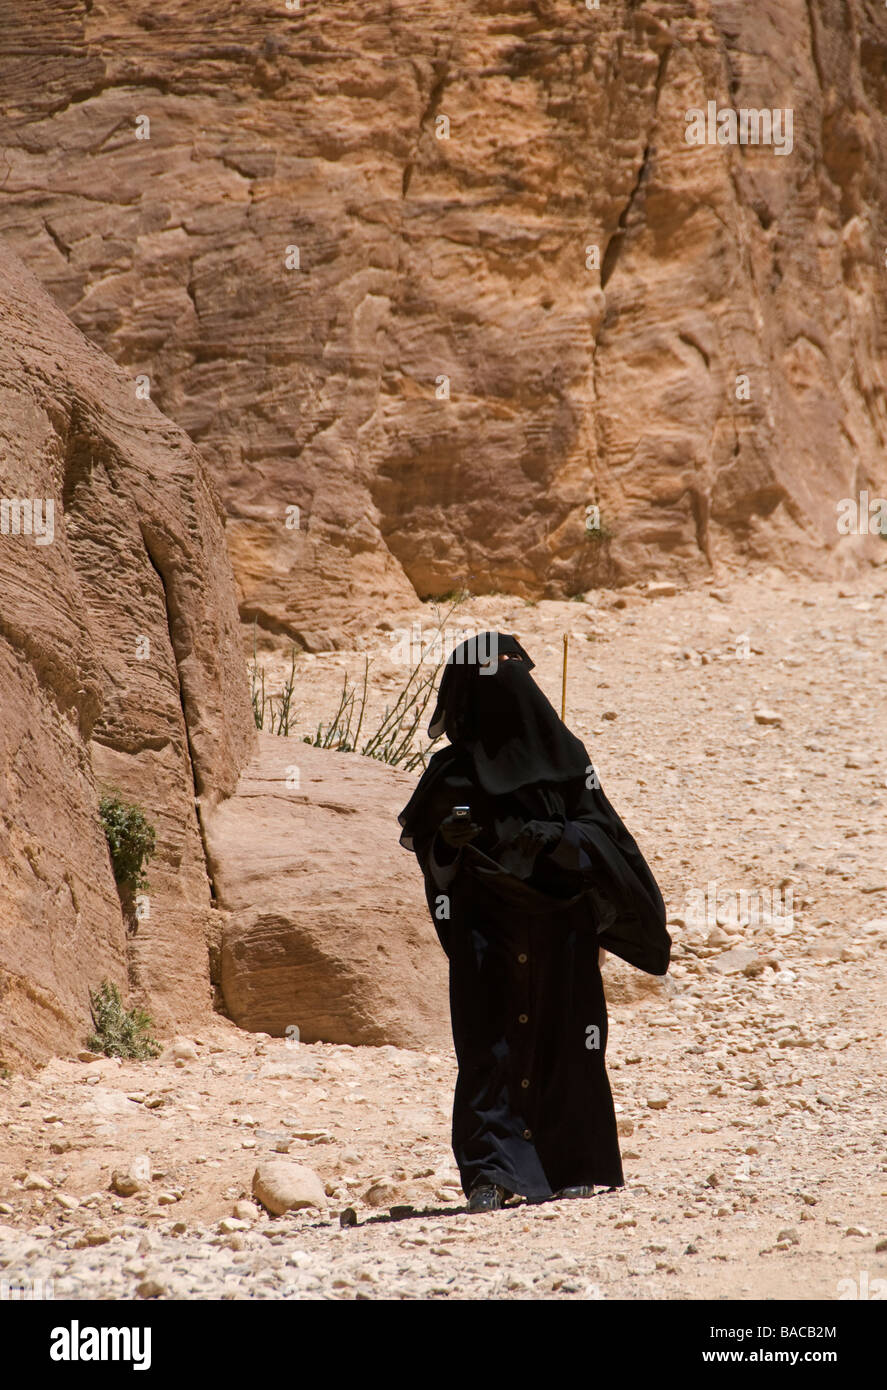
[523,892]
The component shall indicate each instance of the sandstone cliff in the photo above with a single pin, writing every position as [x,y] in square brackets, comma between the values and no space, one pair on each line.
[256,208]
[120,668]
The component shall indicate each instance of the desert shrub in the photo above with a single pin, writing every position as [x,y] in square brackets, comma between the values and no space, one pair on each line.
[131,841]
[339,731]
[394,740]
[397,737]
[600,533]
[278,718]
[119,1032]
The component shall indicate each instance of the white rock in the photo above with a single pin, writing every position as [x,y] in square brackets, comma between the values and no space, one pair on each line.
[281,1185]
[134,1178]
[767,716]
[301,1259]
[381,1194]
[733,962]
[34,1182]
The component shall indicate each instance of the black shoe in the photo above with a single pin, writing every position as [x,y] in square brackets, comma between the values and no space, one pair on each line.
[486,1197]
[573,1192]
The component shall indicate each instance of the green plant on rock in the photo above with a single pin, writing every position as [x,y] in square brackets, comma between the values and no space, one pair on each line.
[131,841]
[119,1032]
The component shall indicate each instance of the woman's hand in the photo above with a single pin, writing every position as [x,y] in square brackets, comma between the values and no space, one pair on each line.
[456,831]
[537,836]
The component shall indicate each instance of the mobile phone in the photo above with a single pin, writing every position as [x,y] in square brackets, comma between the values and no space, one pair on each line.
[461,812]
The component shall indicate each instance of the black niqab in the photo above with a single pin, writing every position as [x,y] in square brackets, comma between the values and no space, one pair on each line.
[503,729]
[461,674]
[498,714]
[533,1109]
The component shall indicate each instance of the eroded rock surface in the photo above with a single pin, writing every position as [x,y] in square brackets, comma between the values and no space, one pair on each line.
[428,264]
[120,670]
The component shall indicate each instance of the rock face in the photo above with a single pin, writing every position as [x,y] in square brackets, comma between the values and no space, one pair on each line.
[327,931]
[352,247]
[120,669]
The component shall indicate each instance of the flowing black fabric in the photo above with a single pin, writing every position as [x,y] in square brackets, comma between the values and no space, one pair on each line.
[533,1109]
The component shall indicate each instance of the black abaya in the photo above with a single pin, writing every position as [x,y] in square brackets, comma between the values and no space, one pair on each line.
[533,1111]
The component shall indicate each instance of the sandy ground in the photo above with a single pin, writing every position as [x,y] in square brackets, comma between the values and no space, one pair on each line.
[750,1087]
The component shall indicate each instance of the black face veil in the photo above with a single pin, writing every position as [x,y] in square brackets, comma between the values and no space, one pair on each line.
[462,674]
[493,713]
[489,704]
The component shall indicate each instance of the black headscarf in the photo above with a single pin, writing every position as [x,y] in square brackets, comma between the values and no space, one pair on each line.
[505,736]
[513,761]
[495,711]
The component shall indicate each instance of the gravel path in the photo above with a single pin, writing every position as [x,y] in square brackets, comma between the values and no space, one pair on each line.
[741,734]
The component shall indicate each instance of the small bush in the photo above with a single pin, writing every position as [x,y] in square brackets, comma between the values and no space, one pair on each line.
[455,597]
[394,740]
[397,738]
[279,719]
[130,839]
[119,1032]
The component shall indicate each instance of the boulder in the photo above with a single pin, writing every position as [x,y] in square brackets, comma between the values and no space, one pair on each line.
[281,1185]
[326,928]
